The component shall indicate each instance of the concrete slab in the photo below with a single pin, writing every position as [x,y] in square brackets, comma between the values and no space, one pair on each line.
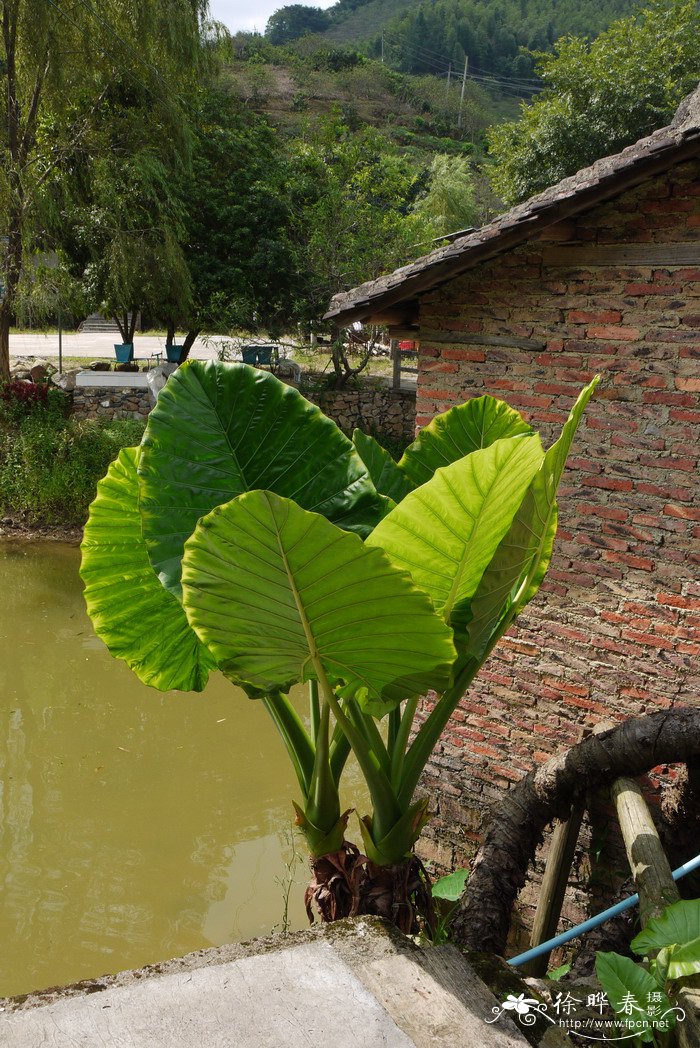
[355,983]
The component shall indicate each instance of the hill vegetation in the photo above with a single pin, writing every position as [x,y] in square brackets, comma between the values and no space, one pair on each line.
[416,36]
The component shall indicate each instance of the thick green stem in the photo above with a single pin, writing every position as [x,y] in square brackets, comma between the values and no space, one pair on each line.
[393,729]
[314,708]
[386,807]
[367,726]
[294,735]
[339,752]
[429,733]
[398,750]
[323,805]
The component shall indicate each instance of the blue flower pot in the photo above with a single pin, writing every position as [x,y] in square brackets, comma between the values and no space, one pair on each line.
[124,351]
[174,353]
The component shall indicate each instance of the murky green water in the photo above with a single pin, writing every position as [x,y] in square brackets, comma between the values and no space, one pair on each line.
[135,826]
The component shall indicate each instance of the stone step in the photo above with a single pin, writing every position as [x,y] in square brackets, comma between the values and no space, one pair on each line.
[354,983]
[97,324]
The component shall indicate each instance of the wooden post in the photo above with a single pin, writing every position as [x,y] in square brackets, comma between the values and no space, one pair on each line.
[647,859]
[395,364]
[553,888]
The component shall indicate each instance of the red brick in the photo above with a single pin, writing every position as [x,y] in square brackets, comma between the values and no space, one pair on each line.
[617,334]
[583,316]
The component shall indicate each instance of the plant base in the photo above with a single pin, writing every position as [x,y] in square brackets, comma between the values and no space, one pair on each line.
[334,888]
[400,893]
[346,884]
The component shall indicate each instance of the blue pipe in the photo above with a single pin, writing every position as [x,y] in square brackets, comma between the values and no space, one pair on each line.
[593,922]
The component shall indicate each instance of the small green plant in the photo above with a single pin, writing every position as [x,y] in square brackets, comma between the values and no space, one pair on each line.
[642,993]
[447,892]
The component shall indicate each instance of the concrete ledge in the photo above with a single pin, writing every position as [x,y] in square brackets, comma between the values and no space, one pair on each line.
[356,983]
[112,379]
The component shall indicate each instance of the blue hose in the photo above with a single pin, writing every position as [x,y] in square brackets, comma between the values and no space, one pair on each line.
[593,922]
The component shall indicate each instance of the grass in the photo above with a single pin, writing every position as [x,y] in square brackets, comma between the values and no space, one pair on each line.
[50,464]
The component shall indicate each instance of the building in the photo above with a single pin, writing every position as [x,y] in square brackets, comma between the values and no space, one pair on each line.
[600,273]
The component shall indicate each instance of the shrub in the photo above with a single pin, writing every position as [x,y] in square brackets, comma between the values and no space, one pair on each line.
[49,465]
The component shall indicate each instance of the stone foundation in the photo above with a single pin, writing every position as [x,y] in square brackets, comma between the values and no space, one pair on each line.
[373,407]
[105,403]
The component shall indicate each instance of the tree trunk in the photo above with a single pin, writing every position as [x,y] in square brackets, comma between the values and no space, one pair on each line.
[190,339]
[632,748]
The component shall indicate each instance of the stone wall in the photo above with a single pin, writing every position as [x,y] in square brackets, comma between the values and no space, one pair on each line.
[372,406]
[613,632]
[102,402]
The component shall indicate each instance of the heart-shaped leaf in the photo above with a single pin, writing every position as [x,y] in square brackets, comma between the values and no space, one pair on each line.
[386,474]
[520,563]
[630,990]
[219,430]
[678,925]
[457,432]
[446,532]
[135,616]
[275,592]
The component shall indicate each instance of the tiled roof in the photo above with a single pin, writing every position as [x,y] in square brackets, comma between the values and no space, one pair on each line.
[590,185]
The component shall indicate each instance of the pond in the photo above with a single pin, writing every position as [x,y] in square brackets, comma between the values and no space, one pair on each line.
[135,826]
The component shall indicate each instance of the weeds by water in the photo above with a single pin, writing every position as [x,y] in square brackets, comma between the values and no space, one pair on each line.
[50,464]
[286,882]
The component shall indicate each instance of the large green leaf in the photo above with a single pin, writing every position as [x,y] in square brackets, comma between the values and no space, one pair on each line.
[446,531]
[679,927]
[275,592]
[219,430]
[520,563]
[386,474]
[135,616]
[457,432]
[634,995]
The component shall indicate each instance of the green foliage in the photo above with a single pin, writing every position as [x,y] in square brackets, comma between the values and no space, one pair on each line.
[295,20]
[350,197]
[274,440]
[629,988]
[420,37]
[236,219]
[599,98]
[449,203]
[235,467]
[677,932]
[446,892]
[50,466]
[642,995]
[167,655]
[303,600]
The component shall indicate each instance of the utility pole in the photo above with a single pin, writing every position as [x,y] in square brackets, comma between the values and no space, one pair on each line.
[449,74]
[382,48]
[461,97]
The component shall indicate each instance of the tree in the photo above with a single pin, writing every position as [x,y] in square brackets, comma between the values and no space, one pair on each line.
[351,199]
[57,69]
[449,203]
[235,218]
[238,546]
[295,20]
[599,97]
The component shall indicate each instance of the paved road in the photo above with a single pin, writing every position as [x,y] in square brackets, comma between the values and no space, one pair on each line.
[76,344]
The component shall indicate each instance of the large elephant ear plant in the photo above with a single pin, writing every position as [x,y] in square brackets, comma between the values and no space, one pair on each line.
[248,534]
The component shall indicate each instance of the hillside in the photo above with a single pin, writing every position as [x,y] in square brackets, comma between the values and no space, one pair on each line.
[427,36]
[415,113]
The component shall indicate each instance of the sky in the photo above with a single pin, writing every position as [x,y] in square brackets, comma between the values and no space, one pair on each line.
[252,14]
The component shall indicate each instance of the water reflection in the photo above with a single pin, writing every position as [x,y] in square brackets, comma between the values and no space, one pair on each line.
[134,826]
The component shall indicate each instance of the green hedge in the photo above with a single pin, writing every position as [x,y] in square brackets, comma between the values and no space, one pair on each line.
[50,464]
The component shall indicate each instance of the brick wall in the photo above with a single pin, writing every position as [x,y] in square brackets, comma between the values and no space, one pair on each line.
[613,632]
